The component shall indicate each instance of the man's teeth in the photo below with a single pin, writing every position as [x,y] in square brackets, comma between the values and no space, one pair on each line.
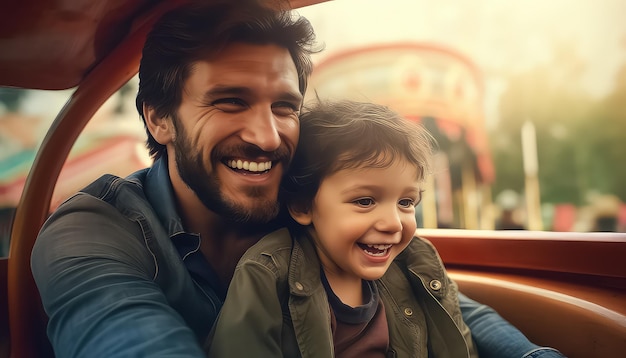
[250,166]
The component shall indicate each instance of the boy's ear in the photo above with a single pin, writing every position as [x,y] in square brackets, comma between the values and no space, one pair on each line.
[301,215]
[161,128]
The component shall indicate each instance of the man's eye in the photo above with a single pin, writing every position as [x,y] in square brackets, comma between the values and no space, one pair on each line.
[364,202]
[406,203]
[229,104]
[284,109]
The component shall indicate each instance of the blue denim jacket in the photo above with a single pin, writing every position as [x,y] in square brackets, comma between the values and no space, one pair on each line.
[111,279]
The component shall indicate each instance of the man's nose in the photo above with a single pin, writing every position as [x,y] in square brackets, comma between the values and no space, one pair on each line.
[389,220]
[261,130]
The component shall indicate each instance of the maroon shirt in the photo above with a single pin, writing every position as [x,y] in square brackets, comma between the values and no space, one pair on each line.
[358,332]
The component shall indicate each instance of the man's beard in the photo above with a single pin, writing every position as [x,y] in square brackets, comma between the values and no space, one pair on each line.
[206,186]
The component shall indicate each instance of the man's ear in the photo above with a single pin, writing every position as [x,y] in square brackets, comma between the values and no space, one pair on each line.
[301,215]
[161,128]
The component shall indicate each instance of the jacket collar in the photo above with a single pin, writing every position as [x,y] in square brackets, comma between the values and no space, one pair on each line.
[308,304]
[304,267]
[159,192]
[421,259]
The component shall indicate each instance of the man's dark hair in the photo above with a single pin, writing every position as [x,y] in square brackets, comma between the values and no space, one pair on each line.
[348,134]
[199,31]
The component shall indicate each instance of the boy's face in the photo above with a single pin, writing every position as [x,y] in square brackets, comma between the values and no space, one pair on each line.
[363,218]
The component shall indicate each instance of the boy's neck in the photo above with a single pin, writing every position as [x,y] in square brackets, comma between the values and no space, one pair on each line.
[349,291]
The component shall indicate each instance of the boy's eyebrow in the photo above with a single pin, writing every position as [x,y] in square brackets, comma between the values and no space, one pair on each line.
[362,187]
[416,189]
[359,187]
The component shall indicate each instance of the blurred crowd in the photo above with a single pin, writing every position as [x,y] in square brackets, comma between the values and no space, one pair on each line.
[601,213]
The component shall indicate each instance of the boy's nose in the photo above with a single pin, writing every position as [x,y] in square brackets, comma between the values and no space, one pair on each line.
[389,221]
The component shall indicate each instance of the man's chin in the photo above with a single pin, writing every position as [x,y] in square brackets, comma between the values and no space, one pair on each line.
[256,214]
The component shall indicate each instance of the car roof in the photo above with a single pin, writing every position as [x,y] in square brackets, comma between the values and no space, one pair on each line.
[54,44]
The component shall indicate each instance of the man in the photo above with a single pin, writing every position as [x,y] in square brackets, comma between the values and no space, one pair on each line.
[123,267]
[140,266]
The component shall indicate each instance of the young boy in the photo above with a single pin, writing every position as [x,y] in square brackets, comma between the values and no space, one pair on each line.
[353,281]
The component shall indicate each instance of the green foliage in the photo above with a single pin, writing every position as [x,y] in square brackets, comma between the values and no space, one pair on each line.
[10,98]
[580,139]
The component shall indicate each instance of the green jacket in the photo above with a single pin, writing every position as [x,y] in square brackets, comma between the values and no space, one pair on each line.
[276,305]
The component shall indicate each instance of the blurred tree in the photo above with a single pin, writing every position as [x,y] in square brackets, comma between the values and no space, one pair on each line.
[551,96]
[10,98]
[603,136]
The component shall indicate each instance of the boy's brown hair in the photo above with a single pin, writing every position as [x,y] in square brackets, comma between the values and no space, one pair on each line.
[348,134]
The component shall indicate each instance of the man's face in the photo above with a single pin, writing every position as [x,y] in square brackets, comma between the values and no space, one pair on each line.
[237,128]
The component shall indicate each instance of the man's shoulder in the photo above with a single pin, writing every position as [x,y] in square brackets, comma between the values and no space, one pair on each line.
[123,193]
[90,226]
[105,201]
[108,199]
[109,185]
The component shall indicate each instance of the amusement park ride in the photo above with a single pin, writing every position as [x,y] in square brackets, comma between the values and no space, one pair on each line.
[565,290]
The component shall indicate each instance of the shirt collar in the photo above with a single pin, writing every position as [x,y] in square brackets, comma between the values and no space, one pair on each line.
[158,190]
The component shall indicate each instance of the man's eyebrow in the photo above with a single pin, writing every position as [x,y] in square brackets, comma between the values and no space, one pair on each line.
[241,91]
[220,91]
[292,97]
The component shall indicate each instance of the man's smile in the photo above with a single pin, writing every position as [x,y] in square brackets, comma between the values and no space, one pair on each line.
[250,166]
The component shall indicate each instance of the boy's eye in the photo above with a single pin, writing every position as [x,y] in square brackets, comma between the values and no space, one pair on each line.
[364,202]
[406,203]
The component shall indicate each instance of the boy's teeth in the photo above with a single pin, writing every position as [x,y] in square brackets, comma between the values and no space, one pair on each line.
[375,250]
[380,247]
[250,166]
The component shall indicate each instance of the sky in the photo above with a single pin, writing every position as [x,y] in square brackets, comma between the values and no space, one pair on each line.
[500,36]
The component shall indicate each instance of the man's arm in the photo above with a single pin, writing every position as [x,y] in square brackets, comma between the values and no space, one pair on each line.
[95,276]
[251,320]
[497,338]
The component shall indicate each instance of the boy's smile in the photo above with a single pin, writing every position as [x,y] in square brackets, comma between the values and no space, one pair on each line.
[363,218]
